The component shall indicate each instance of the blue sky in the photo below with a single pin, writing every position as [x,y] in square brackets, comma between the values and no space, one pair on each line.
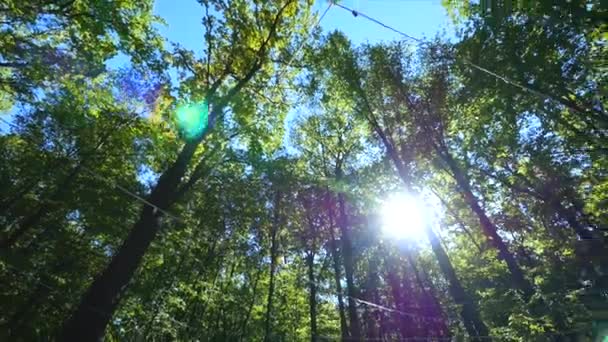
[419,18]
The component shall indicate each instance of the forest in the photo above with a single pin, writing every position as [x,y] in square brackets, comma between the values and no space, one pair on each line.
[284,183]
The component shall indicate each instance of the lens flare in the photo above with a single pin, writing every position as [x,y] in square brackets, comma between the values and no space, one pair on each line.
[192,119]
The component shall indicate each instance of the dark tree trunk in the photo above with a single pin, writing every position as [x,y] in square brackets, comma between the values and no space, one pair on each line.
[243,328]
[89,320]
[431,307]
[97,306]
[489,229]
[310,261]
[402,321]
[403,294]
[337,270]
[273,265]
[338,280]
[469,311]
[373,322]
[349,269]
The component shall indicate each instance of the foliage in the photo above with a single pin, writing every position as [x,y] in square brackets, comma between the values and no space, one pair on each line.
[266,225]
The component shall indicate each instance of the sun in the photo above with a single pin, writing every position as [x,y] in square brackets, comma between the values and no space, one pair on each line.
[404,217]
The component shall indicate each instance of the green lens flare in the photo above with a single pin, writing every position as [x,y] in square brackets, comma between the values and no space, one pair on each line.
[192,119]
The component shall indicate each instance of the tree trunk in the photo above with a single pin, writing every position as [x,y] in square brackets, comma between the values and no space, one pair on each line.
[273,265]
[434,307]
[402,321]
[373,321]
[310,261]
[338,280]
[489,229]
[469,311]
[243,328]
[98,304]
[349,269]
[337,272]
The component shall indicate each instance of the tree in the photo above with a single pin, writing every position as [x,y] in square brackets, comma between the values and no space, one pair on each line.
[99,302]
[346,65]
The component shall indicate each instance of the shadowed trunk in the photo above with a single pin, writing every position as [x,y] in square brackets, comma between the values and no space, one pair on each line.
[403,322]
[469,311]
[489,229]
[243,327]
[273,265]
[310,257]
[98,304]
[349,269]
[337,278]
[432,306]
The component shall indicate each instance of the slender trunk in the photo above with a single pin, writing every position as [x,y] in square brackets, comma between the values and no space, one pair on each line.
[161,283]
[336,264]
[273,265]
[570,215]
[489,229]
[218,281]
[434,307]
[368,322]
[469,311]
[248,315]
[403,322]
[373,321]
[550,198]
[221,316]
[310,257]
[311,236]
[338,280]
[199,311]
[349,269]
[458,220]
[89,319]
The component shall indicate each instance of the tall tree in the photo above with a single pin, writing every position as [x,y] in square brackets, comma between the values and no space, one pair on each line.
[99,302]
[402,161]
